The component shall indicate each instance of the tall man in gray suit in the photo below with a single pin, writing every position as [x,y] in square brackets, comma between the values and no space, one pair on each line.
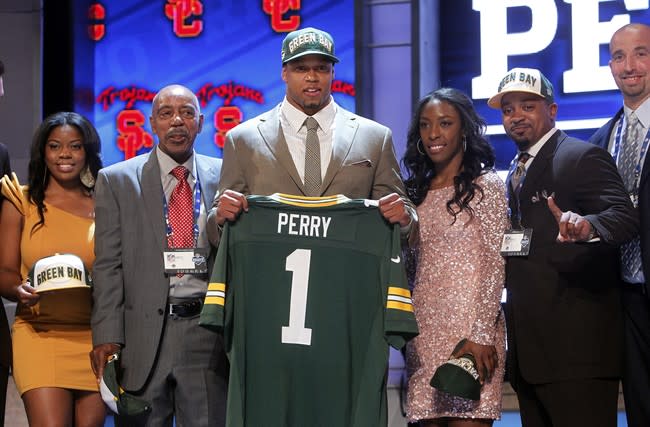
[151,271]
[270,153]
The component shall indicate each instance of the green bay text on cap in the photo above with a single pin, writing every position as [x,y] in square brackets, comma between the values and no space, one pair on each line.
[529,80]
[308,41]
[60,271]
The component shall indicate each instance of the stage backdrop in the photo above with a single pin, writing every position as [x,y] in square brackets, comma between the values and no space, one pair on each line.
[566,39]
[227,52]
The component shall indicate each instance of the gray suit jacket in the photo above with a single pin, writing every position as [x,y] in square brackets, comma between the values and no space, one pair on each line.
[257,161]
[130,288]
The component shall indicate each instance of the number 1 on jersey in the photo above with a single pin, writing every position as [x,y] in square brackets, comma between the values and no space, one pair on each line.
[296,333]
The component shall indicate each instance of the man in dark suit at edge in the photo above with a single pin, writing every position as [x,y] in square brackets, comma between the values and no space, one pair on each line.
[570,211]
[629,63]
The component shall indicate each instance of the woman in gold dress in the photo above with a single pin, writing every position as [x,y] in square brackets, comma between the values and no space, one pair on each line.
[53,214]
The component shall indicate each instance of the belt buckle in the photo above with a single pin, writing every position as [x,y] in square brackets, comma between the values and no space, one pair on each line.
[172,314]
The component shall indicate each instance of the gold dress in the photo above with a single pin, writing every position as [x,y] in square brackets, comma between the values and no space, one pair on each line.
[458,285]
[52,339]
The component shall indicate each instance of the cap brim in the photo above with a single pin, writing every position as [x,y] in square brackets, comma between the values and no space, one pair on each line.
[51,288]
[332,58]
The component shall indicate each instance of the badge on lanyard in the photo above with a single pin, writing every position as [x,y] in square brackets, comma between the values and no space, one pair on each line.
[190,260]
[516,242]
[186,261]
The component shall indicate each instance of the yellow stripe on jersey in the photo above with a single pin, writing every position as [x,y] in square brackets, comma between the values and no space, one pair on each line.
[216,294]
[214,301]
[309,202]
[394,290]
[215,286]
[399,306]
[399,299]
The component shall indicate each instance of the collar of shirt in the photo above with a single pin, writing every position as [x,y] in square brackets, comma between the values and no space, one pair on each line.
[292,122]
[534,149]
[166,164]
[295,118]
[643,113]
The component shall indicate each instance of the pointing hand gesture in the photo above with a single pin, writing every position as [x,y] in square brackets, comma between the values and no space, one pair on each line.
[572,226]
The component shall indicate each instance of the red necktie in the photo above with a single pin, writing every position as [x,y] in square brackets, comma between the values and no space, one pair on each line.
[181,212]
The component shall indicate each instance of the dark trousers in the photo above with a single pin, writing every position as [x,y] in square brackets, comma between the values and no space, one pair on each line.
[189,380]
[636,373]
[583,402]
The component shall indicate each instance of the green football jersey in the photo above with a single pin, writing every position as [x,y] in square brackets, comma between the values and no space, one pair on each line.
[310,293]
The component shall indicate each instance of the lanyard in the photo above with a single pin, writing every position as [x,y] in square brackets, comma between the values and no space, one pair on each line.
[197,212]
[515,192]
[644,148]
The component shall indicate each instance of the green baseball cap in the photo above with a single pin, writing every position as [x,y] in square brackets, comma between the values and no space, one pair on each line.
[458,376]
[308,41]
[115,397]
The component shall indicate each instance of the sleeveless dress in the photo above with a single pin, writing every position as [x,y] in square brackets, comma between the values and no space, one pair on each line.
[52,339]
[458,285]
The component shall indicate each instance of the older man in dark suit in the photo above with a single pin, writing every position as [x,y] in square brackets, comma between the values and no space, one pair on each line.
[5,335]
[151,271]
[571,211]
[626,136]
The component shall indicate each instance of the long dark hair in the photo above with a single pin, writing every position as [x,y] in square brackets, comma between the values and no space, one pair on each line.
[478,157]
[38,175]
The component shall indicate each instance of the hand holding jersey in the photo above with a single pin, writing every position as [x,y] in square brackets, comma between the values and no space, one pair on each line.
[231,203]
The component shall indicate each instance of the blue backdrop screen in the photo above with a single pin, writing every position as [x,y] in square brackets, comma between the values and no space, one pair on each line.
[227,52]
[567,39]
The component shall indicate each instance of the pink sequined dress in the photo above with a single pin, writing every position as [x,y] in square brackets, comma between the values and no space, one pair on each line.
[458,286]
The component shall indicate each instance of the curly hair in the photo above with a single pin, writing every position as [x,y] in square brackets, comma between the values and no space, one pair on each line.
[38,176]
[478,157]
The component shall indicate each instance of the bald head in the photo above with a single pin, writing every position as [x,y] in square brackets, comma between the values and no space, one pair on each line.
[629,49]
[176,119]
[175,90]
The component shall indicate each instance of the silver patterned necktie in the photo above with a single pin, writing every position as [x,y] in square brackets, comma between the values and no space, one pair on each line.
[631,251]
[520,169]
[313,179]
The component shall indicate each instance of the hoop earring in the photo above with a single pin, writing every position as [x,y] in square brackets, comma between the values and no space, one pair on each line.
[464,143]
[45,177]
[417,147]
[87,178]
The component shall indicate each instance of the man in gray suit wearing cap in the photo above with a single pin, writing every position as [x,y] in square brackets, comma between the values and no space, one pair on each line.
[354,156]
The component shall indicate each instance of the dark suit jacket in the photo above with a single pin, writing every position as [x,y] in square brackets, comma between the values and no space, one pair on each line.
[601,139]
[5,336]
[257,161]
[563,308]
[130,288]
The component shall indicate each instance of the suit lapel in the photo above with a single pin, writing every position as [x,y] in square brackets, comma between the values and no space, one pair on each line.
[152,194]
[273,136]
[207,176]
[345,131]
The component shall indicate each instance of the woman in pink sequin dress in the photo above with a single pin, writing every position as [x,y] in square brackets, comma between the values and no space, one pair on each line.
[459,272]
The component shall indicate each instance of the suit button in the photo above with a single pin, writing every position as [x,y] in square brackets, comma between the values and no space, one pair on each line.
[161,311]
